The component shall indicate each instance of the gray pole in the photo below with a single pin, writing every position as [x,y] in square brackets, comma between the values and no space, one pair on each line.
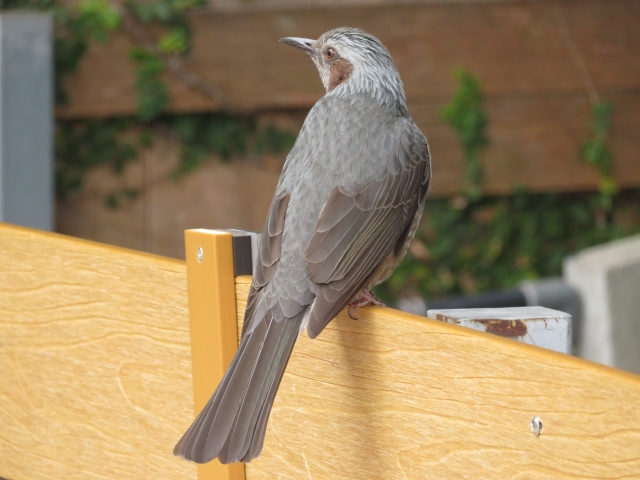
[26,120]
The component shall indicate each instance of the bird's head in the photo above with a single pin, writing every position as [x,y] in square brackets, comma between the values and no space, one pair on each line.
[350,60]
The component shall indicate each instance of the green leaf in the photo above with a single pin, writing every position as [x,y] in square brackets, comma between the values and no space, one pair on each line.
[153,96]
[98,18]
[465,114]
[111,201]
[175,41]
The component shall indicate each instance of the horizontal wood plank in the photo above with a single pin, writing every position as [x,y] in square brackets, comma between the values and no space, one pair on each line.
[95,360]
[535,144]
[396,396]
[95,382]
[537,102]
[526,150]
[516,48]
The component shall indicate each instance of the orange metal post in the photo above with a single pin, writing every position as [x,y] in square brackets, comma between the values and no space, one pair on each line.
[212,317]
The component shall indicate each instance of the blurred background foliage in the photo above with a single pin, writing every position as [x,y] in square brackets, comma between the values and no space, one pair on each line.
[467,244]
[473,243]
[82,145]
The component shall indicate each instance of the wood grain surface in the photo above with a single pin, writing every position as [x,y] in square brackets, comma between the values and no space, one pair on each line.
[535,60]
[516,47]
[396,396]
[95,382]
[95,360]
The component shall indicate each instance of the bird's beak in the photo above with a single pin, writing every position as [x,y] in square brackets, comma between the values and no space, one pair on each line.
[304,44]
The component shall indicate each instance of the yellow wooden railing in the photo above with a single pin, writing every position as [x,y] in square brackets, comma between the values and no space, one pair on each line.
[96,381]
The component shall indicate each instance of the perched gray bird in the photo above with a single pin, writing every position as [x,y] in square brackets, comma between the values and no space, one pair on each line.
[346,208]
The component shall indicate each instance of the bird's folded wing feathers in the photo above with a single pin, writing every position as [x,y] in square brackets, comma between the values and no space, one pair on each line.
[360,225]
[269,253]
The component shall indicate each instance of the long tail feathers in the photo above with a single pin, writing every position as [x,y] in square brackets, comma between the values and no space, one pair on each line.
[233,423]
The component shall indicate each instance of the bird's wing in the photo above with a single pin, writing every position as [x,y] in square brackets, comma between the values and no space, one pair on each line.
[268,254]
[360,225]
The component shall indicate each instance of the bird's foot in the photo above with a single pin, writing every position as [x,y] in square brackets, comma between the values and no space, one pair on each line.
[368,298]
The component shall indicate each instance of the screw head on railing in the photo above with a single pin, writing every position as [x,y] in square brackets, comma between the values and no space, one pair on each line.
[536,426]
[200,254]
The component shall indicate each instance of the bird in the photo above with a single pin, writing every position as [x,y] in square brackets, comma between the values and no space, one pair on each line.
[347,205]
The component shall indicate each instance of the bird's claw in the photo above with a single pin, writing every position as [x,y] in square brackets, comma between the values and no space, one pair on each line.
[368,298]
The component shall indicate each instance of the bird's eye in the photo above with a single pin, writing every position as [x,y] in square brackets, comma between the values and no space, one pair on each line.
[330,53]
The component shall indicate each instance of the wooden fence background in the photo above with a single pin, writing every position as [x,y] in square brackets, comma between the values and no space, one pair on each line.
[540,62]
[96,382]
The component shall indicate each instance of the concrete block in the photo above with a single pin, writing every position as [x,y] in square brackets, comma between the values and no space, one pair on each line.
[539,326]
[608,280]
[26,120]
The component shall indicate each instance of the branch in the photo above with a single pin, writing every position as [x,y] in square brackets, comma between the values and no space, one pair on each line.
[577,59]
[173,62]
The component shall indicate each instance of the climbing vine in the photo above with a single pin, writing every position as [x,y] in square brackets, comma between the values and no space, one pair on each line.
[465,115]
[82,145]
[474,242]
[596,152]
